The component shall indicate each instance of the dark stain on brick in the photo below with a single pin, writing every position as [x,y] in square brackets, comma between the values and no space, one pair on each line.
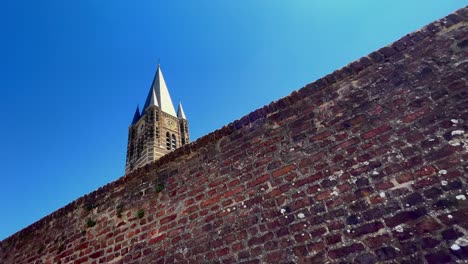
[438,257]
[385,253]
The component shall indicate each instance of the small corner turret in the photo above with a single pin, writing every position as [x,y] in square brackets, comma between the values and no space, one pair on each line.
[157,130]
[136,116]
[183,124]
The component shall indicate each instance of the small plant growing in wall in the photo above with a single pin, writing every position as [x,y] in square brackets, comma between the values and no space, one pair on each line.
[90,223]
[141,213]
[61,248]
[118,210]
[41,249]
[159,187]
[90,207]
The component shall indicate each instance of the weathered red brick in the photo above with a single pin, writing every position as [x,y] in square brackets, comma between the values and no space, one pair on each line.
[119,238]
[413,116]
[167,219]
[333,239]
[321,136]
[427,225]
[284,170]
[259,180]
[216,182]
[233,183]
[385,253]
[438,257]
[376,131]
[318,232]
[309,179]
[81,260]
[425,182]
[427,170]
[191,209]
[341,136]
[211,201]
[311,160]
[366,229]
[344,251]
[302,237]
[439,154]
[82,246]
[377,241]
[323,195]
[243,254]
[157,239]
[345,144]
[404,177]
[234,191]
[275,256]
[404,217]
[97,254]
[222,252]
[384,185]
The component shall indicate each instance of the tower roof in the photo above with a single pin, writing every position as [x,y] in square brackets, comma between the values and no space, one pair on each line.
[159,94]
[180,112]
[137,116]
[151,99]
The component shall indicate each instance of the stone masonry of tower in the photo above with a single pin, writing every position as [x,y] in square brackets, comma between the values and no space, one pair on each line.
[157,130]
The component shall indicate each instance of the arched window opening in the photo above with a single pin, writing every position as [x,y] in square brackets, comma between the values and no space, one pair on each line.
[168,141]
[139,148]
[174,144]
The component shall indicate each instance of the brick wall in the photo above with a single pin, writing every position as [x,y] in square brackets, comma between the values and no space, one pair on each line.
[366,164]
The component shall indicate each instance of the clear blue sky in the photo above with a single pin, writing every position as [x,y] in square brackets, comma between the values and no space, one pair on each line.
[72,73]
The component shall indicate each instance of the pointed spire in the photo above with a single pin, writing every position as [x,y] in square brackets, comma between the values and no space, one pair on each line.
[137,116]
[180,112]
[159,88]
[151,99]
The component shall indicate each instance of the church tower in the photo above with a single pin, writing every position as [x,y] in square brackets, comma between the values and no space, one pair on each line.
[158,129]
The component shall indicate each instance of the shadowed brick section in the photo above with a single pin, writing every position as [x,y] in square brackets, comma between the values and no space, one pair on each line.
[345,251]
[365,165]
[404,217]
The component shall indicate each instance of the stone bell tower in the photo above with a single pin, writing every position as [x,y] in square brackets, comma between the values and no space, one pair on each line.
[158,129]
